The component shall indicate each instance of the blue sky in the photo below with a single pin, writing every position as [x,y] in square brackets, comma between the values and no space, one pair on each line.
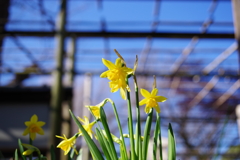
[119,16]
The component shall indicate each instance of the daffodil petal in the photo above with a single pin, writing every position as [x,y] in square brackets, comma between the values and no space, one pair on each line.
[154,92]
[95,111]
[32,136]
[157,108]
[104,74]
[59,137]
[118,63]
[123,93]
[28,152]
[128,70]
[40,123]
[81,119]
[28,123]
[41,131]
[160,98]
[25,132]
[145,93]
[34,118]
[142,102]
[108,64]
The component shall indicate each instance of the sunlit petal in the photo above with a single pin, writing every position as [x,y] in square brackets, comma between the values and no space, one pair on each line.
[157,108]
[154,92]
[160,98]
[118,63]
[108,64]
[104,74]
[145,93]
[142,102]
[123,93]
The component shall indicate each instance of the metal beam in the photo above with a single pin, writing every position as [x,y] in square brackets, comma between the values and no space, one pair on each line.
[220,58]
[120,34]
[227,94]
[184,55]
[203,92]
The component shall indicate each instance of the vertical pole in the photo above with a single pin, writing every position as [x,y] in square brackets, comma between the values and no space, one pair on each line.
[86,101]
[56,90]
[4,7]
[236,18]
[70,59]
[70,62]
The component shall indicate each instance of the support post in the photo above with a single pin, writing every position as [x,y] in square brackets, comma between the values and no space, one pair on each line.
[57,87]
[86,101]
[236,18]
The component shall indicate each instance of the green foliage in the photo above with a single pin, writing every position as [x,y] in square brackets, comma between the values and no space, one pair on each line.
[171,144]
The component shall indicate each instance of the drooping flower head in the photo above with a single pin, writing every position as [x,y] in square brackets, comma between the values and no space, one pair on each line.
[30,149]
[87,126]
[96,109]
[67,144]
[117,74]
[33,127]
[151,100]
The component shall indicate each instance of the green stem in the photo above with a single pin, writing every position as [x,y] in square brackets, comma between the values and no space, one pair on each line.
[147,134]
[120,129]
[31,143]
[130,125]
[160,136]
[138,146]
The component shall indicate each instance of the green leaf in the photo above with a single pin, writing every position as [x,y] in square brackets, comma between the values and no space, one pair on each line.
[105,148]
[53,156]
[147,134]
[15,155]
[92,146]
[155,138]
[108,133]
[21,150]
[138,146]
[171,144]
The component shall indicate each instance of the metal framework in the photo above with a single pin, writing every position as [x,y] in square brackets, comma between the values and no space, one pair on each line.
[201,85]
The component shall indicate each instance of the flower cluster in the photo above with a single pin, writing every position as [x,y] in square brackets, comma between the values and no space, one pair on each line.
[118,74]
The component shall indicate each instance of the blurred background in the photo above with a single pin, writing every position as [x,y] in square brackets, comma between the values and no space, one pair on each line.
[50,61]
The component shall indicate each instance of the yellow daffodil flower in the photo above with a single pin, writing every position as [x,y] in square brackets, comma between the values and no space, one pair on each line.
[116,71]
[151,100]
[67,144]
[96,109]
[117,74]
[119,84]
[87,126]
[33,127]
[30,149]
